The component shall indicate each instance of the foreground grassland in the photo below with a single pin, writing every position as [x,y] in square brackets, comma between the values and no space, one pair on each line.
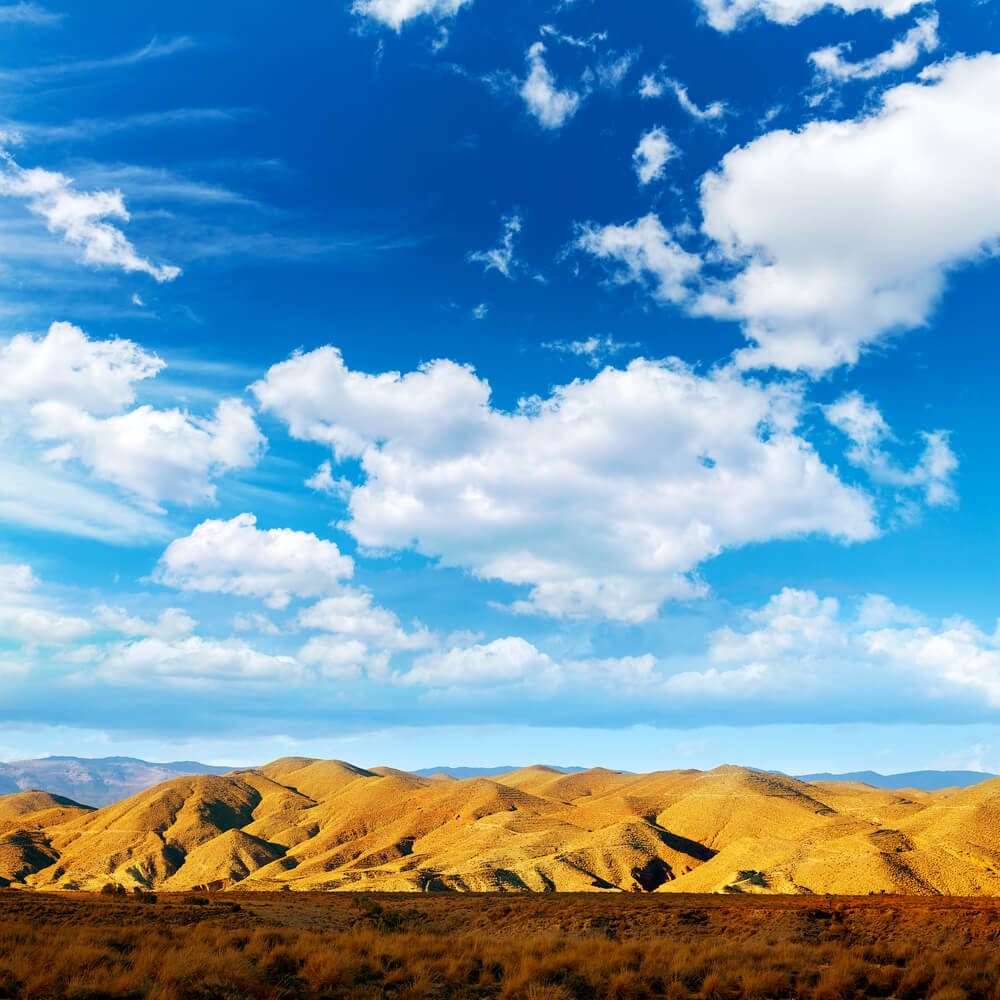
[235,946]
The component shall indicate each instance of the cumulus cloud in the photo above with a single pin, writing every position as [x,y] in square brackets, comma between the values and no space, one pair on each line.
[498,662]
[66,365]
[652,154]
[862,422]
[153,454]
[831,63]
[844,231]
[344,659]
[503,257]
[727,15]
[645,252]
[513,661]
[801,639]
[396,13]
[79,217]
[237,557]
[550,105]
[195,662]
[70,391]
[354,614]
[171,624]
[602,498]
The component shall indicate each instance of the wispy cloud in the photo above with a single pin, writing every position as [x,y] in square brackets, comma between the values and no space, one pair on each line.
[655,85]
[596,350]
[154,49]
[503,257]
[84,129]
[28,13]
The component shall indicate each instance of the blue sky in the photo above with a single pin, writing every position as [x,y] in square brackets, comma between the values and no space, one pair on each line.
[448,381]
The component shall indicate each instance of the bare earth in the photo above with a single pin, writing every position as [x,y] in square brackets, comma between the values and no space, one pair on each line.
[310,825]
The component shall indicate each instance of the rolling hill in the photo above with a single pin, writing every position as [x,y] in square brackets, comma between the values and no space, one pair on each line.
[300,823]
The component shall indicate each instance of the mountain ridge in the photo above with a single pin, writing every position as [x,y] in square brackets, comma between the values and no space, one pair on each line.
[309,824]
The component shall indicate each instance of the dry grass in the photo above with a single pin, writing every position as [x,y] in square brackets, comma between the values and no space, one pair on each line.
[496,948]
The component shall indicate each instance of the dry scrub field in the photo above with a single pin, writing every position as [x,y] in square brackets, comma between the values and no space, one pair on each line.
[556,947]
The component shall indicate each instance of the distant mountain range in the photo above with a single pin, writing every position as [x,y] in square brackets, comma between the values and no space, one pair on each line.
[106,780]
[95,782]
[926,781]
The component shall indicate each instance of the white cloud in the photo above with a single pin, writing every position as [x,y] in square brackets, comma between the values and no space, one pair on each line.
[195,662]
[322,481]
[597,350]
[502,661]
[65,365]
[432,403]
[503,257]
[652,154]
[831,64]
[481,311]
[354,615]
[843,232]
[864,425]
[515,661]
[344,659]
[653,85]
[551,106]
[644,252]
[171,624]
[153,454]
[726,15]
[791,620]
[395,13]
[602,498]
[590,42]
[801,641]
[24,618]
[66,388]
[79,217]
[237,557]
[712,683]
[955,657]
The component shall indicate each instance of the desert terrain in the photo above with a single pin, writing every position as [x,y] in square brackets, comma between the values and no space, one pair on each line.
[308,946]
[316,825]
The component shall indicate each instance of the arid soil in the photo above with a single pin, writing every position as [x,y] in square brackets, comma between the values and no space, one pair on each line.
[555,946]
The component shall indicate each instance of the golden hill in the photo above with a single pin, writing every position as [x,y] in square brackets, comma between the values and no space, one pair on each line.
[300,823]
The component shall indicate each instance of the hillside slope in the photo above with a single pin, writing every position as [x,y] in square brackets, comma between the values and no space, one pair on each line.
[300,823]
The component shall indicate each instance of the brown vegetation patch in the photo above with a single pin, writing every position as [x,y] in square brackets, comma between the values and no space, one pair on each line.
[559,947]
